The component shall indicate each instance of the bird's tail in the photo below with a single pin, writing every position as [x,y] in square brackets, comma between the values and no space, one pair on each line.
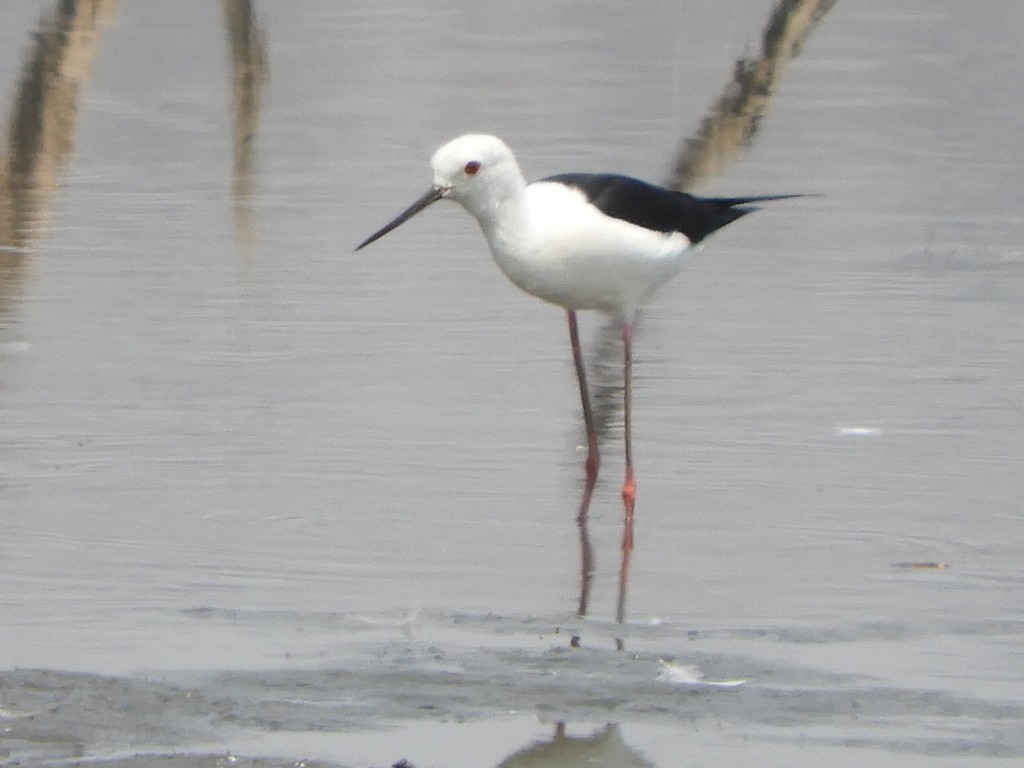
[719,211]
[729,202]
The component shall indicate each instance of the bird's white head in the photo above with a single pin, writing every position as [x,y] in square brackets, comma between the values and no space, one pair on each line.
[476,167]
[477,170]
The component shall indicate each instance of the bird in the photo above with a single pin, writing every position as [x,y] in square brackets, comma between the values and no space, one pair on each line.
[580,241]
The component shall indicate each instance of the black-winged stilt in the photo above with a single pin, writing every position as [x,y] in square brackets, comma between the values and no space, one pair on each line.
[578,240]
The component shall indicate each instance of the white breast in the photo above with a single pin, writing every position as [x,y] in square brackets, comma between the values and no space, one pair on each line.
[554,244]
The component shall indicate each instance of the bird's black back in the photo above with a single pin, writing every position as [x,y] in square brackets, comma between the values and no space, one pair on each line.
[658,209]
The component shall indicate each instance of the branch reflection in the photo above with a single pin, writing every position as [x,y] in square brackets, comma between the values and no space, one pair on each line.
[44,113]
[249,76]
[42,126]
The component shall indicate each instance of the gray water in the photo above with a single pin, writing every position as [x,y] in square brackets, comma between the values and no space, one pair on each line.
[265,501]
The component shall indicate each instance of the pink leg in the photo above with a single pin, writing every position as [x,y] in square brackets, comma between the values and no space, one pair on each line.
[629,486]
[593,457]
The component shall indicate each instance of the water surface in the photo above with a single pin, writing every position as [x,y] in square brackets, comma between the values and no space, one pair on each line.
[265,497]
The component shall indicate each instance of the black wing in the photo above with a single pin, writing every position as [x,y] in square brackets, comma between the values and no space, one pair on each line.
[658,209]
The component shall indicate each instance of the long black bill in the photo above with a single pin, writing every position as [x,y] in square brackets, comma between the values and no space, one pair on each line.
[432,196]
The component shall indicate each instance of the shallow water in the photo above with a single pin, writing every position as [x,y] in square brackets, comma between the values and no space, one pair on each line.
[268,500]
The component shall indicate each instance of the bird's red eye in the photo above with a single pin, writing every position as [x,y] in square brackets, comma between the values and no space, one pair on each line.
[471,168]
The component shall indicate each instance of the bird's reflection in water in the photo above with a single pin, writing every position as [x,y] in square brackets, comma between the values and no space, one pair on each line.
[604,748]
